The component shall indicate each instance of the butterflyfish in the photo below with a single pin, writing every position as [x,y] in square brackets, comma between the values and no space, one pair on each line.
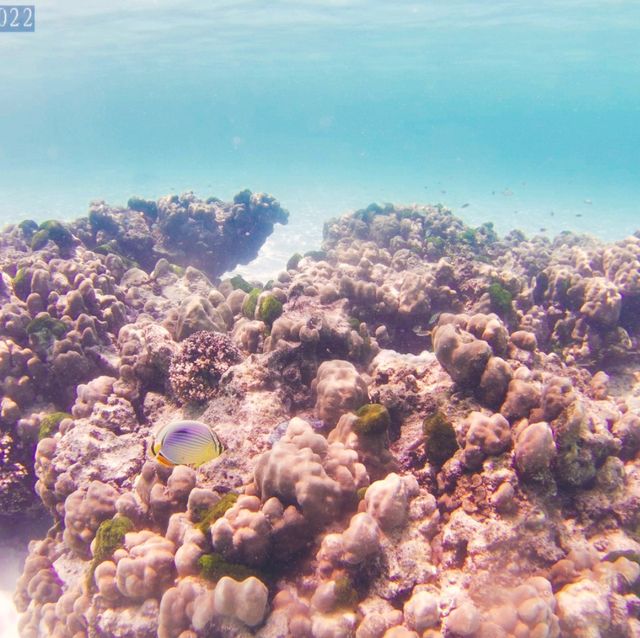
[186,443]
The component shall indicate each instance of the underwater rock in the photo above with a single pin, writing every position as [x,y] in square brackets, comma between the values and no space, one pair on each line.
[185,230]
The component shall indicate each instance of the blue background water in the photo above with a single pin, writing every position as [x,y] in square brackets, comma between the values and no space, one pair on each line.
[517,108]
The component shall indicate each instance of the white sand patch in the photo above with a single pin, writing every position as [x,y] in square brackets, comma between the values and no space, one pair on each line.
[8,615]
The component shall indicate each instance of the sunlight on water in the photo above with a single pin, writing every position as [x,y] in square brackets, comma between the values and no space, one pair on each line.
[329,105]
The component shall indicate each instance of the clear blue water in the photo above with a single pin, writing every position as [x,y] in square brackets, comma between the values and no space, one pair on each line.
[516,108]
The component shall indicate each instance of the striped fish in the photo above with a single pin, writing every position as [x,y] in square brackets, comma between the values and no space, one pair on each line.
[186,443]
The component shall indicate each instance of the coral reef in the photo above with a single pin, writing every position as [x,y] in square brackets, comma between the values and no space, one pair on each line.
[430,430]
[183,229]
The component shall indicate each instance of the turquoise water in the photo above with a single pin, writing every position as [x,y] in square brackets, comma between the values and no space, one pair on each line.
[519,109]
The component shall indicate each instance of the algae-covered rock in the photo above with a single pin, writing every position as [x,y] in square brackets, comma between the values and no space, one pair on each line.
[250,303]
[50,423]
[39,239]
[373,419]
[293,261]
[207,517]
[439,438]
[316,255]
[45,329]
[102,221]
[269,309]
[22,283]
[28,228]
[146,206]
[58,233]
[501,299]
[214,567]
[239,282]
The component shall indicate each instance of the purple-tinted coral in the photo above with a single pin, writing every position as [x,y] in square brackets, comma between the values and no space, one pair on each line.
[198,366]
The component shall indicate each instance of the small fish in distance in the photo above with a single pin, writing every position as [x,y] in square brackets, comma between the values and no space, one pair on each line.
[185,443]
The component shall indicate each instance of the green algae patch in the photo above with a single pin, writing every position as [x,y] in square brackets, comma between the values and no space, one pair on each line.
[28,228]
[629,554]
[106,249]
[109,537]
[39,239]
[250,303]
[269,309]
[177,270]
[316,255]
[345,592]
[111,248]
[239,282]
[46,328]
[439,438]
[214,567]
[361,492]
[293,262]
[49,424]
[488,233]
[22,283]
[58,233]
[206,517]
[468,236]
[500,298]
[373,419]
